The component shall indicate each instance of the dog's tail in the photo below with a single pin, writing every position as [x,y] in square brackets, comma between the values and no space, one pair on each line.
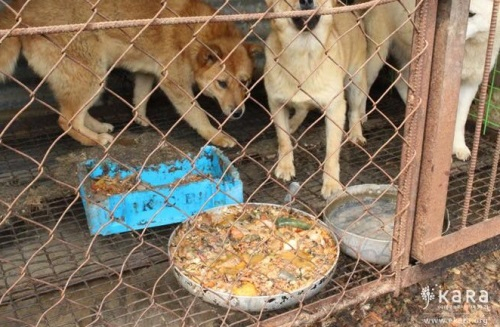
[10,47]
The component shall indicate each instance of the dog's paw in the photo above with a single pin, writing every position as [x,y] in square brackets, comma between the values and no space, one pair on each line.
[105,128]
[462,152]
[105,139]
[223,140]
[357,138]
[285,169]
[143,121]
[330,187]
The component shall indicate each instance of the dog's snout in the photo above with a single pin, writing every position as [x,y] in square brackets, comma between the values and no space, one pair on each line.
[309,22]
[238,113]
[306,4]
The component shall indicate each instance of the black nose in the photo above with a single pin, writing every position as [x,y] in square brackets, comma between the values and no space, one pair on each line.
[238,113]
[310,22]
[306,4]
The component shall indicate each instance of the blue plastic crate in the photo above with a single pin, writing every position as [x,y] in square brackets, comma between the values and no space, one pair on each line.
[168,193]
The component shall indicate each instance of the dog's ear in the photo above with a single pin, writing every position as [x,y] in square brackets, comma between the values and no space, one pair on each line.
[253,49]
[208,54]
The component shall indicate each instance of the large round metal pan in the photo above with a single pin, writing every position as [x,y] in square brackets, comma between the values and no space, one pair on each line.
[254,303]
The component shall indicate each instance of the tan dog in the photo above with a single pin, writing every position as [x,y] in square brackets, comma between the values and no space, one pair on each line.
[75,69]
[308,63]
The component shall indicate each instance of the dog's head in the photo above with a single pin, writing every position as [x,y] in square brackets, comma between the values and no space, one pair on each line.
[224,72]
[309,23]
[479,17]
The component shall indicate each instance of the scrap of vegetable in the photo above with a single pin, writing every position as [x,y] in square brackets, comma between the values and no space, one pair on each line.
[292,222]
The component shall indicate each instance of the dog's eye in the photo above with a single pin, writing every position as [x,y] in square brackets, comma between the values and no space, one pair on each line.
[222,84]
[245,82]
[472,14]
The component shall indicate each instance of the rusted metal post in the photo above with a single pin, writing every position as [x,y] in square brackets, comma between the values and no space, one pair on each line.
[440,122]
[420,71]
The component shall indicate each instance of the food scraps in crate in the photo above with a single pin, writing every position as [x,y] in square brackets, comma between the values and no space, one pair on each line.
[251,250]
[107,185]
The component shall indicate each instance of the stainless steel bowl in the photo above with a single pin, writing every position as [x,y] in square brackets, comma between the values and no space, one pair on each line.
[255,303]
[363,220]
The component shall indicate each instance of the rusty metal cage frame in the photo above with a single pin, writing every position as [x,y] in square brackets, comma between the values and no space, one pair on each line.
[427,245]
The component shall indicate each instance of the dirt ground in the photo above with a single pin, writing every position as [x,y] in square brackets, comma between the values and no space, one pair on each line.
[407,309]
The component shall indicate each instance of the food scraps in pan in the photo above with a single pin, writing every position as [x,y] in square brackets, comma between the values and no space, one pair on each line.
[251,250]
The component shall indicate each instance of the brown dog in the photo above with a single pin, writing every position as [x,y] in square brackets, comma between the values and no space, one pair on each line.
[308,63]
[215,59]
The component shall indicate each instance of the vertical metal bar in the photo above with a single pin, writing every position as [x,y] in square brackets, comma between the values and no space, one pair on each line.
[420,70]
[494,171]
[480,115]
[440,123]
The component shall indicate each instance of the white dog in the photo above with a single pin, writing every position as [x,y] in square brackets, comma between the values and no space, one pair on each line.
[381,21]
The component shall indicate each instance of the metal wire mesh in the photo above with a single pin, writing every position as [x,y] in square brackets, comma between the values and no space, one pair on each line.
[60,259]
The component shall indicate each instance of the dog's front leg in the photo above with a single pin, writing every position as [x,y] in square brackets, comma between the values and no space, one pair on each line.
[190,110]
[285,168]
[465,98]
[297,119]
[356,96]
[143,86]
[335,119]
